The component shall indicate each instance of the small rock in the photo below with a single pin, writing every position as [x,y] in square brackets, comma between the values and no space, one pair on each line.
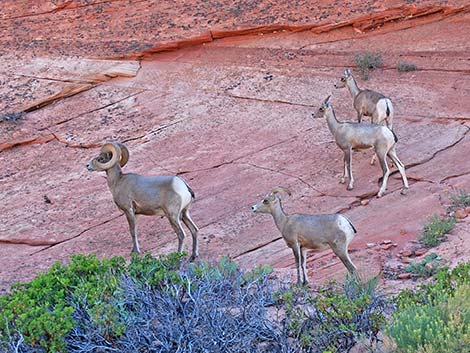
[364,202]
[404,276]
[421,252]
[395,245]
[460,214]
[386,246]
[386,241]
[371,245]
[406,260]
[407,253]
[467,210]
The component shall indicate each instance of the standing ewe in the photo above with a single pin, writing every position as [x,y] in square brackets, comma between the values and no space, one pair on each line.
[147,195]
[302,232]
[349,136]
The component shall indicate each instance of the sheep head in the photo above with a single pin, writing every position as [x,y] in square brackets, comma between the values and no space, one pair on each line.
[268,202]
[110,154]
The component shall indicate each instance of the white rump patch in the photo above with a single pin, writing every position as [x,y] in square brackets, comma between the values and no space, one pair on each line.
[182,190]
[345,226]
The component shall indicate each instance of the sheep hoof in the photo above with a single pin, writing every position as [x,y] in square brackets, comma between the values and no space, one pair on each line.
[193,258]
[380,194]
[349,187]
[404,191]
[342,181]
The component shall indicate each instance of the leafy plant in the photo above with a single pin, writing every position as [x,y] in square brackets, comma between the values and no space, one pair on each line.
[435,230]
[428,267]
[365,62]
[440,326]
[335,319]
[403,66]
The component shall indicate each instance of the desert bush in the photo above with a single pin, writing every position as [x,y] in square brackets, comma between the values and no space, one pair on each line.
[440,326]
[403,66]
[435,230]
[365,62]
[337,318]
[170,305]
[428,267]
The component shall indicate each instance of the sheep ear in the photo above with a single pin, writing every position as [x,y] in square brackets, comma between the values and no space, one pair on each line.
[325,102]
[347,72]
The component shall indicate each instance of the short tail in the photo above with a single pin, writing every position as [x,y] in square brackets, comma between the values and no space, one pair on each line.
[193,195]
[394,135]
[352,226]
[388,109]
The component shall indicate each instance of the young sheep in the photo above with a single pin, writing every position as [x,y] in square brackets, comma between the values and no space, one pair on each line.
[349,136]
[302,232]
[147,195]
[367,102]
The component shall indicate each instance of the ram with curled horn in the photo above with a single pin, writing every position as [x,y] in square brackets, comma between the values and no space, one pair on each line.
[302,231]
[146,195]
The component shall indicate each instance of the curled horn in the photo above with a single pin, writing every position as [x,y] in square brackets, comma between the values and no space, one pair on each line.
[279,189]
[115,151]
[124,154]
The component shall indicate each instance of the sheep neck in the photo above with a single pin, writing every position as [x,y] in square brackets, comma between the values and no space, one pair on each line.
[113,175]
[331,120]
[353,87]
[280,218]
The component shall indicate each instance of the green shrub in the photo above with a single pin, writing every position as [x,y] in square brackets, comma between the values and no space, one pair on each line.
[459,199]
[41,309]
[403,66]
[444,284]
[435,230]
[365,62]
[440,326]
[337,317]
[428,267]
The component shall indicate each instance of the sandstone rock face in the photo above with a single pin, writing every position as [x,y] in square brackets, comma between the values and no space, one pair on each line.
[232,117]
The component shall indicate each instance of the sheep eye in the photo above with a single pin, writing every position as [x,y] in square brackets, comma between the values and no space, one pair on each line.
[265,201]
[322,109]
[343,79]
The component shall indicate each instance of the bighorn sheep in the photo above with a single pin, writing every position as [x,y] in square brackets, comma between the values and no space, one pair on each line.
[367,102]
[349,136]
[302,232]
[147,195]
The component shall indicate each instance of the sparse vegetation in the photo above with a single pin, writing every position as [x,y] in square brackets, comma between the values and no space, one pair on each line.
[459,199]
[428,267]
[365,62]
[403,66]
[435,230]
[168,305]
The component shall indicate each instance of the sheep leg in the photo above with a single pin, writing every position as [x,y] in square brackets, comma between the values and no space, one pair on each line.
[386,172]
[401,168]
[348,161]
[194,230]
[341,250]
[175,221]
[131,219]
[303,260]
[345,171]
[296,250]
